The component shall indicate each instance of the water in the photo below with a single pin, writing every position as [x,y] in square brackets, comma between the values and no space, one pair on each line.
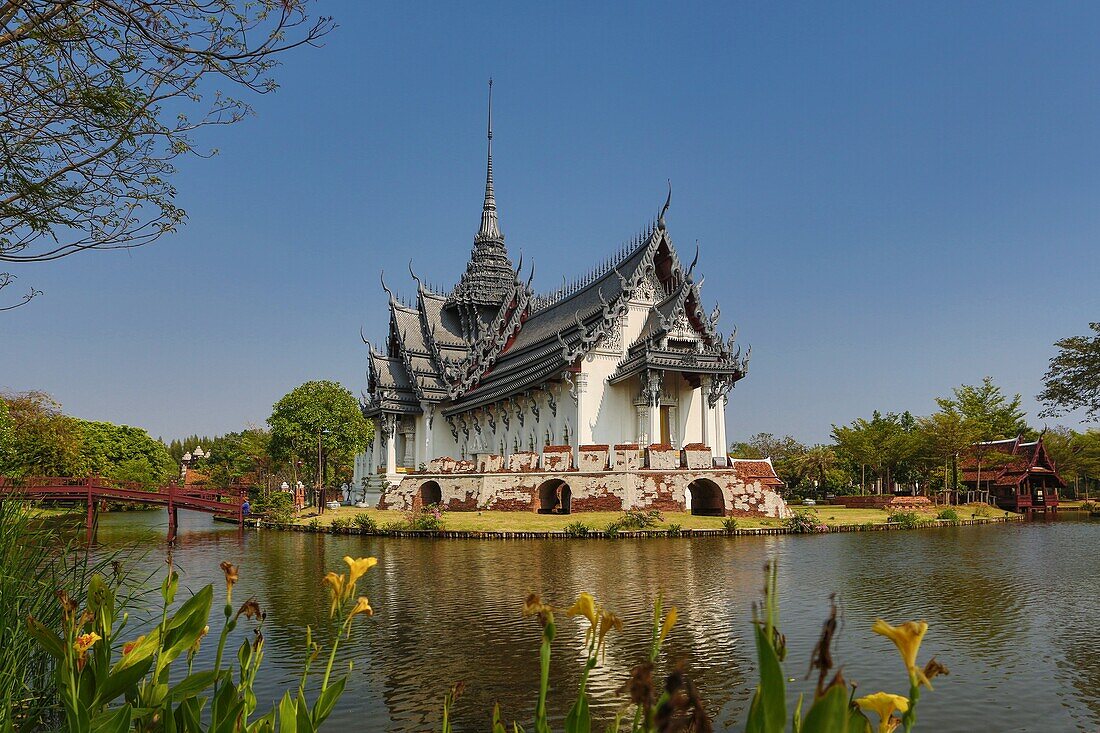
[1012,611]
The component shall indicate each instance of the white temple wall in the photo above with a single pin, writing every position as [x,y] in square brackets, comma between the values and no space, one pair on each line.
[608,408]
[690,415]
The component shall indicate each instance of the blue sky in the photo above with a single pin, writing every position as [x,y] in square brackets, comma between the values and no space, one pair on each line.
[891,199]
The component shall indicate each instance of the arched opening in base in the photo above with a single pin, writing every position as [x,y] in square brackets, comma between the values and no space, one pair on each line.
[703,498]
[554,497]
[430,493]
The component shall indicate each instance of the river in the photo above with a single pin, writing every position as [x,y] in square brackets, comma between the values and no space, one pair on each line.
[1012,611]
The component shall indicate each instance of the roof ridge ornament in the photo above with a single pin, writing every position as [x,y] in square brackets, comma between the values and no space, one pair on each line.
[382,277]
[664,209]
[490,225]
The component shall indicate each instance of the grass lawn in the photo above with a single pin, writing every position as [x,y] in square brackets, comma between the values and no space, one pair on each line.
[486,521]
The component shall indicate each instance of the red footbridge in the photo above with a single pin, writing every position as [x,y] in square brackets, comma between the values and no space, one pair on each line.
[94,490]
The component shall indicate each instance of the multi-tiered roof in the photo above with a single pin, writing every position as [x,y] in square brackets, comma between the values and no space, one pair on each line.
[492,337]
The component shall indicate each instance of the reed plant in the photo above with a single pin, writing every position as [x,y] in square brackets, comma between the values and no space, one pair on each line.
[38,555]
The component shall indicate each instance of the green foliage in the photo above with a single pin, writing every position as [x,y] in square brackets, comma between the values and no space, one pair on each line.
[729,524]
[576,529]
[314,523]
[674,530]
[276,506]
[318,414]
[638,519]
[908,520]
[611,531]
[885,442]
[1072,381]
[107,686]
[40,440]
[36,558]
[364,522]
[340,524]
[125,454]
[804,521]
[95,115]
[991,413]
[948,514]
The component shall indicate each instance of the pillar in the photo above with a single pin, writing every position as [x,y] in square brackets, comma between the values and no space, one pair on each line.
[704,412]
[720,419]
[643,435]
[584,423]
[389,425]
[427,443]
[654,380]
[408,459]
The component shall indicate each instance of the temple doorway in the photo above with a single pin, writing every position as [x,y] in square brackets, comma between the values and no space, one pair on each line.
[666,425]
[703,498]
[430,493]
[554,497]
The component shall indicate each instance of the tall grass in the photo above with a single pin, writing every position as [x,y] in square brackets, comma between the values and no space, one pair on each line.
[37,557]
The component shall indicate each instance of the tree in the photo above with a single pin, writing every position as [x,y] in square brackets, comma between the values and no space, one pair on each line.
[124,453]
[1072,381]
[40,439]
[320,416]
[816,464]
[884,442]
[987,408]
[782,451]
[944,435]
[100,99]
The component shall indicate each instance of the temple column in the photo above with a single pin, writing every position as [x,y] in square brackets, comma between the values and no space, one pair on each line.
[376,446]
[389,437]
[584,424]
[426,443]
[704,390]
[653,379]
[642,435]
[720,419]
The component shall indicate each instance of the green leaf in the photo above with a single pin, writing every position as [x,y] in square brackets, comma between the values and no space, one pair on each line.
[121,680]
[579,720]
[188,625]
[768,713]
[112,721]
[301,715]
[288,722]
[829,713]
[46,638]
[326,701]
[192,684]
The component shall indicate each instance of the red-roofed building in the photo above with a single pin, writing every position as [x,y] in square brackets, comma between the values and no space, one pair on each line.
[1015,475]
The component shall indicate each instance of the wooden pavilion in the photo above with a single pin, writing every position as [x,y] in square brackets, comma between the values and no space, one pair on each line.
[1012,474]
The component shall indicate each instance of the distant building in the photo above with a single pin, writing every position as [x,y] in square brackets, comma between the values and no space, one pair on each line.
[1013,474]
[482,391]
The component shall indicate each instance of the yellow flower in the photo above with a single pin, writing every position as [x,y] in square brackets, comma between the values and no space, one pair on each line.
[362,606]
[585,605]
[84,642]
[669,622]
[885,705]
[907,637]
[533,606]
[336,587]
[608,621]
[356,568]
[231,577]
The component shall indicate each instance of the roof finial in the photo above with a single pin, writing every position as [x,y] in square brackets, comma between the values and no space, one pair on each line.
[490,227]
[664,209]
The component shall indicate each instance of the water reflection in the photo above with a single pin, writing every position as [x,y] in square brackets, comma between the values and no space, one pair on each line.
[1010,611]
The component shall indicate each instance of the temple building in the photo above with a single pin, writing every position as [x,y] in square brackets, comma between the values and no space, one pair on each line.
[1011,474]
[606,393]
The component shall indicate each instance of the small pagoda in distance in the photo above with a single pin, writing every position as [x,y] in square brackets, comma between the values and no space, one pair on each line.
[1013,474]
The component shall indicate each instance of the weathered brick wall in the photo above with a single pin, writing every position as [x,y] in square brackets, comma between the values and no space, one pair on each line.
[884,502]
[591,491]
[489,462]
[697,455]
[592,458]
[557,458]
[662,458]
[628,457]
[523,461]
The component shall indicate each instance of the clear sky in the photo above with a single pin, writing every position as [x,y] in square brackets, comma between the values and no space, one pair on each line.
[891,199]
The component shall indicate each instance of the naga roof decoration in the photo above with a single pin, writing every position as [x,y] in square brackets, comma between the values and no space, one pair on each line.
[492,338]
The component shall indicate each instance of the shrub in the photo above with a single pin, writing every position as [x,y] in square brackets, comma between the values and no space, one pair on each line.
[948,514]
[576,529]
[805,521]
[612,530]
[1089,505]
[729,524]
[429,518]
[364,522]
[314,523]
[982,510]
[637,519]
[340,524]
[907,520]
[674,530]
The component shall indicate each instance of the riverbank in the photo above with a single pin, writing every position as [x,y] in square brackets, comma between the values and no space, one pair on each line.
[596,525]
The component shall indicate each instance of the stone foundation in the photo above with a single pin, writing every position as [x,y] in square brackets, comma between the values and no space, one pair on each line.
[718,491]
